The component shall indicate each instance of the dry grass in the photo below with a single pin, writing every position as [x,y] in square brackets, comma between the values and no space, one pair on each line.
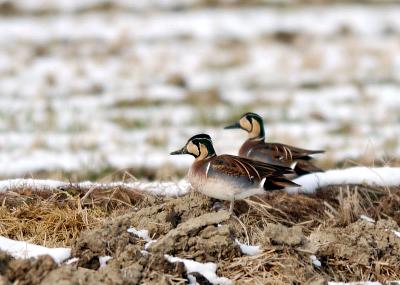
[334,210]
[56,218]
[47,224]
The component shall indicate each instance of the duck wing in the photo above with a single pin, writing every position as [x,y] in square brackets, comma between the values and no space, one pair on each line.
[281,151]
[271,176]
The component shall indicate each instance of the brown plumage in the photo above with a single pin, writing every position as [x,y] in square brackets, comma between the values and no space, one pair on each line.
[229,177]
[274,153]
[253,171]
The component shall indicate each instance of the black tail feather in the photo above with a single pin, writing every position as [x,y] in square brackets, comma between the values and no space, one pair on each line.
[306,167]
[278,183]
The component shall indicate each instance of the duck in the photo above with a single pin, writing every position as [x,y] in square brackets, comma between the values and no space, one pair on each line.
[255,147]
[229,177]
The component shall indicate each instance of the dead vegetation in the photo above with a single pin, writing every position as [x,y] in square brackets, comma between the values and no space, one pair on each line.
[56,218]
[289,228]
[348,248]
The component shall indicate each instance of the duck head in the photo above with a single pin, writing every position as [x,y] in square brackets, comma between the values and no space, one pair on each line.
[200,146]
[252,123]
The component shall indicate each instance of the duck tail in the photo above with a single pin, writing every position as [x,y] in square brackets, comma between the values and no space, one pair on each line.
[306,167]
[277,183]
[316,151]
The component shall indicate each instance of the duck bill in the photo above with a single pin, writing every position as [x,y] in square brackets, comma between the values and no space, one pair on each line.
[179,151]
[233,126]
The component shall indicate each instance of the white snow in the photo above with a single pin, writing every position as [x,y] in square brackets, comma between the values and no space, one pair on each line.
[72,260]
[396,233]
[315,261]
[157,188]
[249,249]
[146,246]
[103,260]
[144,234]
[368,219]
[384,177]
[22,249]
[192,280]
[208,270]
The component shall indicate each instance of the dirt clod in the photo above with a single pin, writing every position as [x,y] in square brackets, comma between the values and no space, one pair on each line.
[360,244]
[4,261]
[279,234]
[30,271]
[68,275]
[201,238]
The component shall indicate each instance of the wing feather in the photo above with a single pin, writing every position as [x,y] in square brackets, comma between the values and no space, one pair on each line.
[285,152]
[271,176]
[244,167]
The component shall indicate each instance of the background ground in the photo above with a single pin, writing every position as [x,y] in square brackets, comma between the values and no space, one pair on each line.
[90,87]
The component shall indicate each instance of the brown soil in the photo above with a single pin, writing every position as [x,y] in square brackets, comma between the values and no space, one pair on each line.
[289,228]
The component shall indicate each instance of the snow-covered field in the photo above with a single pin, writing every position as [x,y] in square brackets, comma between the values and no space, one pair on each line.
[308,184]
[84,89]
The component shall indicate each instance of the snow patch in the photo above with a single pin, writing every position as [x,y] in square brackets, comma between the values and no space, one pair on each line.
[144,234]
[208,270]
[384,177]
[192,280]
[396,233]
[103,260]
[368,219]
[315,261]
[167,188]
[22,249]
[72,260]
[249,249]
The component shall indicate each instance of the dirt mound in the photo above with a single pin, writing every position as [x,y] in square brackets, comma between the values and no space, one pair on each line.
[362,248]
[112,237]
[25,271]
[183,228]
[140,269]
[202,239]
[303,239]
